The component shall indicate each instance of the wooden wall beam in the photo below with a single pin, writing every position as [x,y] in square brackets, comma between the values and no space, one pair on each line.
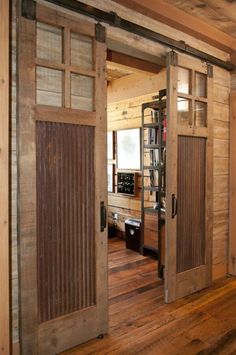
[4,178]
[174,17]
[133,62]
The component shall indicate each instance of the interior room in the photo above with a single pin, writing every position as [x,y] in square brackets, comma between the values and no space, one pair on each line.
[132,119]
[136,122]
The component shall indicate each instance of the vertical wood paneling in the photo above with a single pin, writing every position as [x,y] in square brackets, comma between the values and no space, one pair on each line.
[232,212]
[65,218]
[191,202]
[4,178]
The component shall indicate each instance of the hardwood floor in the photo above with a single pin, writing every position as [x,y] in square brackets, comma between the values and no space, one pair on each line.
[140,322]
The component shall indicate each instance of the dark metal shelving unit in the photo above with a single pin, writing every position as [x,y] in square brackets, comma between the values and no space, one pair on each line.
[158,106]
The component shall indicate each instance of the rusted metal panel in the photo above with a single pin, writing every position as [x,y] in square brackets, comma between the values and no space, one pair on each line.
[65,218]
[191,175]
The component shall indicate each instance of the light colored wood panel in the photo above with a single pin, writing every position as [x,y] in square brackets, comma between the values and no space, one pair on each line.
[49,98]
[221,94]
[198,282]
[220,250]
[221,166]
[54,328]
[81,51]
[221,184]
[220,112]
[56,114]
[27,186]
[82,92]
[67,75]
[136,85]
[124,202]
[4,180]
[195,64]
[221,130]
[232,218]
[124,124]
[221,77]
[221,148]
[49,42]
[219,270]
[101,187]
[50,16]
[49,86]
[171,180]
[221,202]
[220,221]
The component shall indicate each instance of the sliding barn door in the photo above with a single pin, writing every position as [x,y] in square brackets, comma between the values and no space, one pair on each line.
[62,162]
[189,176]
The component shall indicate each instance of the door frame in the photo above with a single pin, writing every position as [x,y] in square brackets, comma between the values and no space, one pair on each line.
[5,276]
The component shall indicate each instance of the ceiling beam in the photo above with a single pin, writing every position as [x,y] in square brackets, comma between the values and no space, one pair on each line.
[180,20]
[133,62]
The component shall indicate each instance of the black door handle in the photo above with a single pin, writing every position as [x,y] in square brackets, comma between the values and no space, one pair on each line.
[103,216]
[174,206]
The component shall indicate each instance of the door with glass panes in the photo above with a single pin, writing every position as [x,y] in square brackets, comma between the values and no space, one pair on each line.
[62,181]
[189,176]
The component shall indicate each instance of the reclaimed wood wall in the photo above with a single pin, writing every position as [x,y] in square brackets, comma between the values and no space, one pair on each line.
[221,90]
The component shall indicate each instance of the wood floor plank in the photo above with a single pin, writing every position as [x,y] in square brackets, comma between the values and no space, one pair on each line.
[140,322]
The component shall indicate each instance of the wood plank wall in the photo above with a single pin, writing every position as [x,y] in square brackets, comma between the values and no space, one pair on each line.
[221,92]
[125,98]
[4,179]
[232,218]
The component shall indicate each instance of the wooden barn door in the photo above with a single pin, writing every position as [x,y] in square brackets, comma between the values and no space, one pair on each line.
[189,176]
[62,164]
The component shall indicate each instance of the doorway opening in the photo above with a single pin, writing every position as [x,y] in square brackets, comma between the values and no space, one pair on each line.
[135,234]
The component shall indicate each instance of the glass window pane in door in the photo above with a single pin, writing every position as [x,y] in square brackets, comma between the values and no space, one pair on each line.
[81,51]
[200,114]
[49,42]
[49,87]
[201,84]
[184,112]
[184,80]
[82,92]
